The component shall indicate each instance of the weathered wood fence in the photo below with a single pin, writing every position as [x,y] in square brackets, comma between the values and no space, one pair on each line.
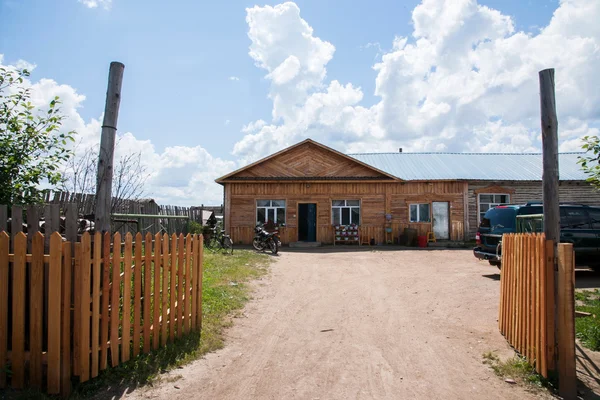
[84,306]
[537,319]
[526,312]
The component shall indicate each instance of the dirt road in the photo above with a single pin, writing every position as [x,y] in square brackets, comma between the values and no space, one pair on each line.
[358,325]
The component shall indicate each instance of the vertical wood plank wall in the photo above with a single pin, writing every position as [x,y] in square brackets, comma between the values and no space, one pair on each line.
[377,200]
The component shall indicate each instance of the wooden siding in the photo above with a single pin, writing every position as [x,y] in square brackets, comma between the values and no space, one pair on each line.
[309,160]
[575,192]
[377,199]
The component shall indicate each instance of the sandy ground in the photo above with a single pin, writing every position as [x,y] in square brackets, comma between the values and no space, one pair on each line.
[358,325]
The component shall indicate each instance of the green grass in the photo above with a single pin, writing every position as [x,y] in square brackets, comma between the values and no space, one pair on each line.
[516,368]
[587,329]
[225,291]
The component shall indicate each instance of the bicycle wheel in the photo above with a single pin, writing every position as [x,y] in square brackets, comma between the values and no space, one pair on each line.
[228,245]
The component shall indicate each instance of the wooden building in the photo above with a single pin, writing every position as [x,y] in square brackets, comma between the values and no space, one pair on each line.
[308,189]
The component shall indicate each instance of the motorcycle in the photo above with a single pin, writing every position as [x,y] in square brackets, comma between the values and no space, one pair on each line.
[265,240]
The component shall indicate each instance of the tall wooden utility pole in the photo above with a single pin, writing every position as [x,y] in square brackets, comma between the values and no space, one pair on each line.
[550,156]
[107,147]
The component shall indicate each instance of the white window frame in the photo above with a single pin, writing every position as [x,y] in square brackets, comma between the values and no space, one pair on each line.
[418,214]
[271,207]
[493,204]
[359,206]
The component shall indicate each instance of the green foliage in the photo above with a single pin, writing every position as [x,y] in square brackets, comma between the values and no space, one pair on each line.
[516,368]
[32,146]
[194,227]
[590,162]
[587,329]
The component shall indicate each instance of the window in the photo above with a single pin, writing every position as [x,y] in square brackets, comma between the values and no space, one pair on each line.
[270,210]
[594,217]
[490,200]
[420,213]
[345,212]
[573,218]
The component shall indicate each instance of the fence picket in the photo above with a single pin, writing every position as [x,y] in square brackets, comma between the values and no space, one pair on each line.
[173,287]
[115,300]
[156,297]
[180,287]
[148,298]
[137,294]
[200,275]
[165,290]
[66,291]
[188,279]
[36,310]
[96,278]
[126,335]
[18,312]
[105,320]
[84,333]
[4,250]
[194,280]
[54,311]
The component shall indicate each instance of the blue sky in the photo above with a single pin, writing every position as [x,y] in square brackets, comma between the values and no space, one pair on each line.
[180,56]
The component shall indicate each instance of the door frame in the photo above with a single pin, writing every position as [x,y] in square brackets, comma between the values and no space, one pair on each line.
[449,222]
[298,219]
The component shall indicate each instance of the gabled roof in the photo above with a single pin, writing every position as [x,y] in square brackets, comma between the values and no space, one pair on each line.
[471,166]
[371,170]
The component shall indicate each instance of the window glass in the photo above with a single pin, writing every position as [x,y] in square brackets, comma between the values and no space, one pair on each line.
[499,218]
[424,213]
[356,215]
[491,200]
[414,213]
[345,212]
[345,216]
[270,210]
[336,216]
[594,217]
[574,218]
[261,215]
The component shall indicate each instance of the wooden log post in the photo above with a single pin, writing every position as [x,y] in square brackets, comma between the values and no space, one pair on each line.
[550,155]
[107,147]
[567,375]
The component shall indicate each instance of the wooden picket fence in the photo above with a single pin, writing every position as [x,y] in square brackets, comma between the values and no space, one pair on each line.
[81,307]
[526,312]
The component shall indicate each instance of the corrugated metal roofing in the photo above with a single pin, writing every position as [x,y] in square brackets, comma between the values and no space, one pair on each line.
[471,166]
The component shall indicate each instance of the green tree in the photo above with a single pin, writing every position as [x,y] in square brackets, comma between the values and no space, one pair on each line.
[32,145]
[590,162]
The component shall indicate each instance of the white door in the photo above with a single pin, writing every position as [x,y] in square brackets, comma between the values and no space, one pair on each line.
[441,220]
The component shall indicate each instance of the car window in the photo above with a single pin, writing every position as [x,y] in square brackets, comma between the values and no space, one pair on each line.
[574,218]
[594,217]
[528,210]
[499,218]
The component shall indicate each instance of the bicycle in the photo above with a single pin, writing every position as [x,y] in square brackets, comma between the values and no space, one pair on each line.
[219,240]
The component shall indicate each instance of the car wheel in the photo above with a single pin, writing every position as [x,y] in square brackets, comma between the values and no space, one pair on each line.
[495,263]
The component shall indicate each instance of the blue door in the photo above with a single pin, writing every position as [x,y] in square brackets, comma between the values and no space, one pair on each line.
[312,223]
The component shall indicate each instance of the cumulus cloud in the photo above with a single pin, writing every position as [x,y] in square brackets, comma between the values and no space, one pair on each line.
[465,80]
[178,175]
[106,4]
[234,78]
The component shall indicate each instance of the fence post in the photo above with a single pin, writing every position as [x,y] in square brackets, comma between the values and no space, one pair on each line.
[567,376]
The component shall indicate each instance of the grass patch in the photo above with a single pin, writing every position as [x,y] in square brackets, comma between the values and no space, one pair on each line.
[587,329]
[225,291]
[517,369]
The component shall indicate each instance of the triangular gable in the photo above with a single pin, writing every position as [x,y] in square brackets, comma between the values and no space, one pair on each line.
[308,160]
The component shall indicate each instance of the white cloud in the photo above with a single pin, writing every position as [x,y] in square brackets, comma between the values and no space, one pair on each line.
[178,175]
[227,122]
[465,80]
[234,78]
[106,4]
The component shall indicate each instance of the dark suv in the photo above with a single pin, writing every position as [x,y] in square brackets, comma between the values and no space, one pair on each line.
[579,224]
